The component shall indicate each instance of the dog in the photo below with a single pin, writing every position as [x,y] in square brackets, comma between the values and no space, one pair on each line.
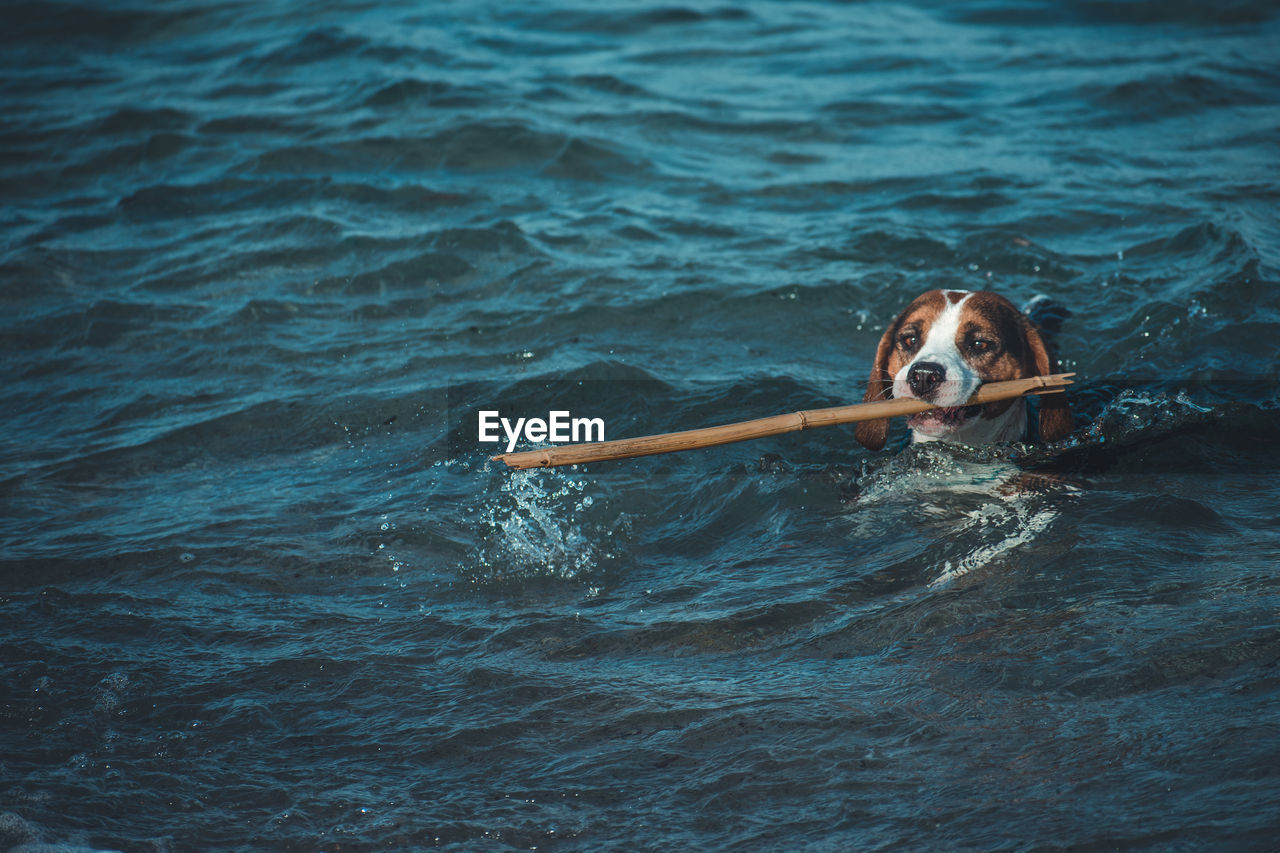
[942,348]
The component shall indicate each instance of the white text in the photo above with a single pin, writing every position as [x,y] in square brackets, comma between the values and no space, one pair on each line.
[559,427]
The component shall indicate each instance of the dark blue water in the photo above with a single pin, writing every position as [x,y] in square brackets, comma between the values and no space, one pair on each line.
[261,588]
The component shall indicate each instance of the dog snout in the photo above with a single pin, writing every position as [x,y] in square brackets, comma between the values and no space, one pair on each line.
[924,377]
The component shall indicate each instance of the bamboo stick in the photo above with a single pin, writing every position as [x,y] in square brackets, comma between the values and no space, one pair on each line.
[671,442]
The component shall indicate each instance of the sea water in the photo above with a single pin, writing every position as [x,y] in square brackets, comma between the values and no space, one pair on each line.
[262,588]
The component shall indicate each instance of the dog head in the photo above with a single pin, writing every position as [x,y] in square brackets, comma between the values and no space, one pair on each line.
[940,349]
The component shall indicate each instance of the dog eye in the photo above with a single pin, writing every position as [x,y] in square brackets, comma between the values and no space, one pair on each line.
[908,341]
[981,345]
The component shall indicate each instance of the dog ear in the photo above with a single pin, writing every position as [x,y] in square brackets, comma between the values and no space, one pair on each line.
[1055,414]
[873,434]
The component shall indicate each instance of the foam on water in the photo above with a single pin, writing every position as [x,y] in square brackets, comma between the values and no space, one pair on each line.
[1002,526]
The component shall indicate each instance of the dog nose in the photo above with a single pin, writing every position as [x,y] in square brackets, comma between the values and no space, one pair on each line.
[924,377]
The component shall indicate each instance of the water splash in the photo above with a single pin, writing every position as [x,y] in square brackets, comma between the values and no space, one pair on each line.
[1138,414]
[985,504]
[974,503]
[933,468]
[544,524]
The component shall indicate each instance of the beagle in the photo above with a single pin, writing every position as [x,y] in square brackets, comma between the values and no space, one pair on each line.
[940,349]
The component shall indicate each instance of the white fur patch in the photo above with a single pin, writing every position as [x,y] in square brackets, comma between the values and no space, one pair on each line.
[960,380]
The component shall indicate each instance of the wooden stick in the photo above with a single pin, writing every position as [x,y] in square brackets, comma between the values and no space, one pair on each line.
[670,442]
